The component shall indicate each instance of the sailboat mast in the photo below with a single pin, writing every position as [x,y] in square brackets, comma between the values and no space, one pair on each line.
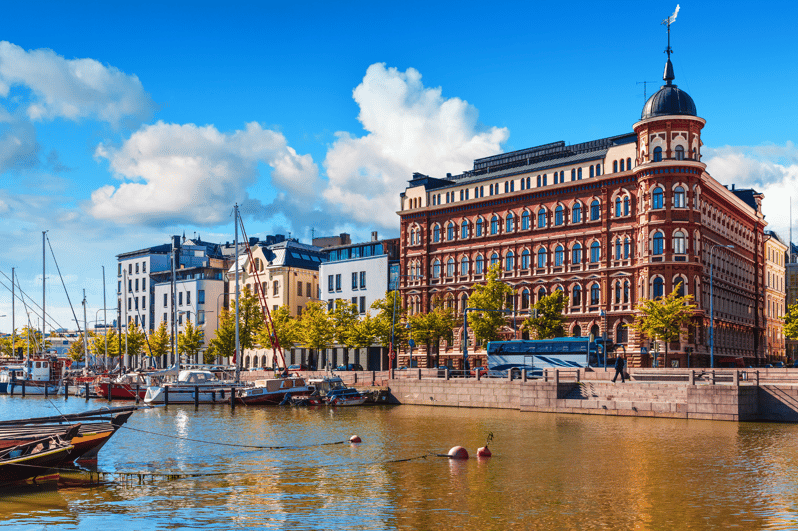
[13,315]
[44,313]
[238,342]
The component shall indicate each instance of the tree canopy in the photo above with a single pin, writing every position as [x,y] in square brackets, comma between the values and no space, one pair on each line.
[663,318]
[791,321]
[488,296]
[547,320]
[190,341]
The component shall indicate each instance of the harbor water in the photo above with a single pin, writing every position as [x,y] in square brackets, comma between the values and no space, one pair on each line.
[181,467]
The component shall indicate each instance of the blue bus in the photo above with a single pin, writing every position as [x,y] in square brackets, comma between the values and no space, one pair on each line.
[535,355]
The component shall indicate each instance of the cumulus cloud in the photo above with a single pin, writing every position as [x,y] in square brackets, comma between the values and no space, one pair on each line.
[410,128]
[176,173]
[71,88]
[770,169]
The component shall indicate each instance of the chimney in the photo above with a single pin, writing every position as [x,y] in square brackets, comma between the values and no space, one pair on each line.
[732,188]
[374,237]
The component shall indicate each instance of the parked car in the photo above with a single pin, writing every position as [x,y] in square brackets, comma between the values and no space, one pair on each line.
[483,371]
[298,367]
[778,364]
[350,367]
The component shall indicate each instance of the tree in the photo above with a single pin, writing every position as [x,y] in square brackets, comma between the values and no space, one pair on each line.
[547,320]
[387,322]
[344,318]
[664,318]
[135,340]
[432,327]
[286,328]
[97,344]
[791,321]
[76,351]
[250,317]
[224,344]
[363,333]
[159,342]
[189,341]
[488,296]
[315,329]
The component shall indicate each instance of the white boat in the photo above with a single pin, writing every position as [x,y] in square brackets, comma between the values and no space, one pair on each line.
[35,377]
[274,390]
[192,386]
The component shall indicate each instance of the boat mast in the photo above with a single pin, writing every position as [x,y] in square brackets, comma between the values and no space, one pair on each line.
[13,315]
[174,306]
[44,313]
[237,356]
[85,335]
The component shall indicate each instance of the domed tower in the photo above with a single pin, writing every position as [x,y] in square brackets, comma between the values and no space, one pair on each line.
[669,172]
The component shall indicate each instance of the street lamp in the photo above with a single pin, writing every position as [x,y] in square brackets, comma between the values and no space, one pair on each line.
[410,343]
[711,303]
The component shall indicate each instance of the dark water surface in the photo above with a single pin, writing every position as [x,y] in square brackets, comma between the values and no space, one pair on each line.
[548,471]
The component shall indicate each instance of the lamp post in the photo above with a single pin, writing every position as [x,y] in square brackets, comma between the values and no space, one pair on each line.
[604,337]
[712,302]
[410,343]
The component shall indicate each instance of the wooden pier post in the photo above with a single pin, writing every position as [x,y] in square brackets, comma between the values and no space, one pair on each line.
[166,395]
[137,393]
[87,391]
[196,395]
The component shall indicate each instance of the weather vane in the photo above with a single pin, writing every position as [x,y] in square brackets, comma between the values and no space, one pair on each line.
[668,21]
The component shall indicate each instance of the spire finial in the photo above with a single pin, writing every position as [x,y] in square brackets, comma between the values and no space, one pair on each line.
[668,76]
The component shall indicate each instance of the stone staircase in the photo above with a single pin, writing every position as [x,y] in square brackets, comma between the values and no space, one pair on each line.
[636,399]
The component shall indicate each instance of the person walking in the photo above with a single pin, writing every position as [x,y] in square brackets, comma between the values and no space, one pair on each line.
[619,362]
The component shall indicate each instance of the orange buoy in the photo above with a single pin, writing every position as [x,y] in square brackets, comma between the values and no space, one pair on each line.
[354,439]
[484,452]
[458,452]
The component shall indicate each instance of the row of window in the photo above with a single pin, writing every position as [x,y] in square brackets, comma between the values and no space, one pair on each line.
[358,281]
[130,268]
[358,302]
[620,164]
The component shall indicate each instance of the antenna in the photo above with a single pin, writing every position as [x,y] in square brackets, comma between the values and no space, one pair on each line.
[645,85]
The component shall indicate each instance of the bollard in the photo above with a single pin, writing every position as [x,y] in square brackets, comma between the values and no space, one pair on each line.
[556,376]
[196,395]
[757,378]
[373,378]
[713,377]
[66,390]
[524,375]
[691,378]
[545,375]
[578,375]
[232,398]
[478,375]
[23,388]
[137,393]
[510,375]
[87,391]
[736,378]
[419,374]
[166,395]
[110,390]
[46,389]
[446,373]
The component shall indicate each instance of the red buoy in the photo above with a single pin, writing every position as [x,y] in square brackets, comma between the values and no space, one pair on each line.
[354,439]
[458,452]
[484,452]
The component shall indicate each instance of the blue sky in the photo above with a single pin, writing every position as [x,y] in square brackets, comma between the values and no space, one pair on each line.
[123,124]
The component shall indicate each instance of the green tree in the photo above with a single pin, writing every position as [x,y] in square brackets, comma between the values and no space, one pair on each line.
[189,341]
[76,350]
[547,320]
[135,340]
[250,317]
[388,321]
[344,318]
[5,346]
[488,296]
[664,318]
[160,341]
[224,344]
[315,327]
[363,333]
[432,327]
[286,328]
[209,356]
[97,344]
[791,321]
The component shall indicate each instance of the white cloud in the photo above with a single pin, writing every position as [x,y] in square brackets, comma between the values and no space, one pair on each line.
[71,88]
[410,128]
[770,169]
[189,174]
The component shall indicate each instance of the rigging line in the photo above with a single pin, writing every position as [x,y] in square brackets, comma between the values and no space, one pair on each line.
[233,444]
[62,283]
[22,295]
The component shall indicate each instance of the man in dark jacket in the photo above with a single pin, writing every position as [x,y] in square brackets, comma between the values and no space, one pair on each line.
[618,369]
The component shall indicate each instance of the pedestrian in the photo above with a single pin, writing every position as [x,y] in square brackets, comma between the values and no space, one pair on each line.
[618,369]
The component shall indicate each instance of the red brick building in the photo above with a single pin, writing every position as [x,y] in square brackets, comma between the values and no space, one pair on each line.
[609,222]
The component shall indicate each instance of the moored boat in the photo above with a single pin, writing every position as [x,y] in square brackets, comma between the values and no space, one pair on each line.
[123,387]
[345,397]
[33,458]
[192,386]
[39,376]
[274,391]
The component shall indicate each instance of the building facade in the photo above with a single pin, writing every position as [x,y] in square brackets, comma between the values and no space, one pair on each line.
[609,223]
[775,296]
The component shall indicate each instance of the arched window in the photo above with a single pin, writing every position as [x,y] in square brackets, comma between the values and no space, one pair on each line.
[617,293]
[595,294]
[494,225]
[450,268]
[595,252]
[626,248]
[523,181]
[436,269]
[450,232]
[657,154]
[528,182]
[412,236]
[626,292]
[679,242]
[510,222]
[576,254]
[540,183]
[621,334]
[618,207]
[559,215]
[591,171]
[559,255]
[679,153]
[579,174]
[657,196]
[494,259]
[658,246]
[598,170]
[436,233]
[464,230]
[595,212]
[509,262]
[618,254]
[678,197]
[577,332]
[479,266]
[525,299]
[573,174]
[542,257]
[562,176]
[541,218]
[525,259]
[629,163]
[479,227]
[658,288]
[680,286]
[614,166]
[626,206]
[622,166]
[541,293]
[576,296]
[525,220]
[576,214]
[464,265]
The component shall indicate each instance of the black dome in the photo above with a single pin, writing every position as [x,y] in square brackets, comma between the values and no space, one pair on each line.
[669,100]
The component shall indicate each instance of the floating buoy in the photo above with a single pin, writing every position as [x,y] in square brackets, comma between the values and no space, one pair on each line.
[484,452]
[458,452]
[354,439]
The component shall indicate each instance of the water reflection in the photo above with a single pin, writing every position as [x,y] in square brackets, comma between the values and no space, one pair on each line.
[547,472]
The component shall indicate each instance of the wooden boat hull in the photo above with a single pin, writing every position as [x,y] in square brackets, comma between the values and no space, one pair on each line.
[33,465]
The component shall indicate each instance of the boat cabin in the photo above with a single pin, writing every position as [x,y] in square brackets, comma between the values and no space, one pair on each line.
[193,377]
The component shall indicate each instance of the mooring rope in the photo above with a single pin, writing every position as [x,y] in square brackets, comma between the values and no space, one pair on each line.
[233,444]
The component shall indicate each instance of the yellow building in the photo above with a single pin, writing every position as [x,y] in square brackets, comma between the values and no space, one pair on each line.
[775,293]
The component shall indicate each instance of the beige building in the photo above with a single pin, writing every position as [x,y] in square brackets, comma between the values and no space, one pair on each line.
[775,293]
[288,273]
